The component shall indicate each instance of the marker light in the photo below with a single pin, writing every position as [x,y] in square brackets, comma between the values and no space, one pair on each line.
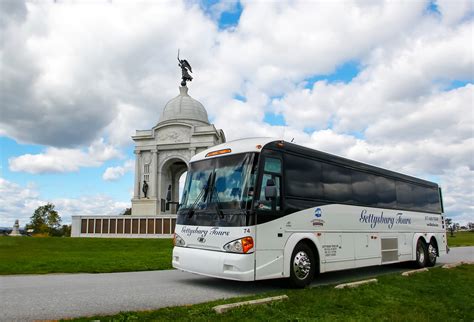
[218,152]
[178,241]
[242,246]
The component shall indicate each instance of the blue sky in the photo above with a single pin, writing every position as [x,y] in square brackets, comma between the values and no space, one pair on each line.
[382,83]
[66,185]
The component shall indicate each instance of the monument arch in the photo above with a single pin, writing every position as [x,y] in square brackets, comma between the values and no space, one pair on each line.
[163,153]
[169,172]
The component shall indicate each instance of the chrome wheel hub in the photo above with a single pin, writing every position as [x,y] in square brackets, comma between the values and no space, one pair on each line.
[421,254]
[301,265]
[431,252]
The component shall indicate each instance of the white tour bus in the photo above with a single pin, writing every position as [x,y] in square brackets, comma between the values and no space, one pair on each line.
[262,208]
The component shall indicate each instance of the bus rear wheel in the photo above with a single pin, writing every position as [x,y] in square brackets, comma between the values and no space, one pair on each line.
[432,253]
[421,254]
[303,266]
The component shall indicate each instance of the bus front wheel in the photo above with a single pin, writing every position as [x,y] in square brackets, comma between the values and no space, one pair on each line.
[421,254]
[303,266]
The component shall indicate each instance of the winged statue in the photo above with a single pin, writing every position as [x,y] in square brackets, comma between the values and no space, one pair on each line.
[185,67]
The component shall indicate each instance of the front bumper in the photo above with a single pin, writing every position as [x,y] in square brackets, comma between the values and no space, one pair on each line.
[230,266]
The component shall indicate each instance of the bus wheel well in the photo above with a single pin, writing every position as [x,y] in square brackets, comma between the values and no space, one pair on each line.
[435,243]
[422,239]
[311,245]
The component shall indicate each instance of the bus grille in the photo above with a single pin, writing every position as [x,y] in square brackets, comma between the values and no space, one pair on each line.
[389,249]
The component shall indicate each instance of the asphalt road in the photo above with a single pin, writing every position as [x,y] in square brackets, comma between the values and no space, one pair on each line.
[54,296]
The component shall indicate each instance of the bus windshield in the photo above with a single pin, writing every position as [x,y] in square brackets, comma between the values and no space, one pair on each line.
[218,191]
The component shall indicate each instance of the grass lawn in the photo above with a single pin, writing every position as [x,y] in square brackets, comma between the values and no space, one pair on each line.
[437,295]
[461,238]
[27,255]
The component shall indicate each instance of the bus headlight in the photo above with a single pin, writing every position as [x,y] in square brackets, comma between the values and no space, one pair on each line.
[178,241]
[241,246]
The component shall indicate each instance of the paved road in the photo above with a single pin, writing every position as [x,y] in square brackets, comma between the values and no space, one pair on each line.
[57,296]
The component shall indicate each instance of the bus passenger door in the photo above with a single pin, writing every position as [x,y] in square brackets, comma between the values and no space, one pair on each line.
[270,239]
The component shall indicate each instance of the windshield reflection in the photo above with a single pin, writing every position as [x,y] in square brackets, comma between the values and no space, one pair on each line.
[225,183]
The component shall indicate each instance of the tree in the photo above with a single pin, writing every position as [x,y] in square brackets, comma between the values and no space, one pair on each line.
[448,222]
[45,220]
[470,226]
[127,212]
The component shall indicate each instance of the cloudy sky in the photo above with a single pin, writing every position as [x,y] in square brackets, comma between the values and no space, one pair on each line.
[389,83]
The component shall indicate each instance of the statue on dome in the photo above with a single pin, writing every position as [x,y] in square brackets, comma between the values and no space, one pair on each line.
[183,63]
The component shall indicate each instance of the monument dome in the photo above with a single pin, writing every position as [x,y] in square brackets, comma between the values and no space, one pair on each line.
[184,107]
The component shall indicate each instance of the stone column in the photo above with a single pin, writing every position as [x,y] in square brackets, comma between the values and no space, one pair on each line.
[192,152]
[159,190]
[136,190]
[153,172]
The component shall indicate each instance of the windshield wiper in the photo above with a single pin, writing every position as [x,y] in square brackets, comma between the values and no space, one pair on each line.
[218,203]
[202,194]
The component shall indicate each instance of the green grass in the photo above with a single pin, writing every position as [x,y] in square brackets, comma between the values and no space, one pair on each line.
[26,255]
[461,238]
[437,295]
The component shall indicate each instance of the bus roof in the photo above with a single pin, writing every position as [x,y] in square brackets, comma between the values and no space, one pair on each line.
[258,144]
[237,146]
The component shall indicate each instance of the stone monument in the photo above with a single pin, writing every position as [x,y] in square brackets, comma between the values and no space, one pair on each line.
[16,229]
[162,153]
[162,156]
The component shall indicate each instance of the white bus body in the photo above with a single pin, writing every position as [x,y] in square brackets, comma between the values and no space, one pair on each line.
[293,236]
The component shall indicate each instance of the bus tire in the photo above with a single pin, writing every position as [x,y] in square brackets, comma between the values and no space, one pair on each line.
[432,252]
[302,266]
[421,254]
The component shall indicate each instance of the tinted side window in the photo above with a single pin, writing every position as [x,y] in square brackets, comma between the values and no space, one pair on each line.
[363,188]
[386,193]
[433,201]
[337,183]
[426,199]
[303,177]
[272,165]
[405,195]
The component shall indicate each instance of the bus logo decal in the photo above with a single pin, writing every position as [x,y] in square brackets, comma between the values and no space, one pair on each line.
[318,212]
[201,239]
[317,222]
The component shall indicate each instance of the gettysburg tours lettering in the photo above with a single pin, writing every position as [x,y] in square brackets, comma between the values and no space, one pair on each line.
[203,232]
[373,220]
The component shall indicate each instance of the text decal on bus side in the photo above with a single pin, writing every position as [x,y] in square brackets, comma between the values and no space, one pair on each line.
[373,220]
[214,231]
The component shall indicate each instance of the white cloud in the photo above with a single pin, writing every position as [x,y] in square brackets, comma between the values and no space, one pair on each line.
[93,65]
[75,73]
[454,11]
[67,68]
[20,202]
[17,203]
[57,160]
[458,192]
[89,206]
[115,173]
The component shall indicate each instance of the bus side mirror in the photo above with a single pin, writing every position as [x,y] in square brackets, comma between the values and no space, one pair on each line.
[270,190]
